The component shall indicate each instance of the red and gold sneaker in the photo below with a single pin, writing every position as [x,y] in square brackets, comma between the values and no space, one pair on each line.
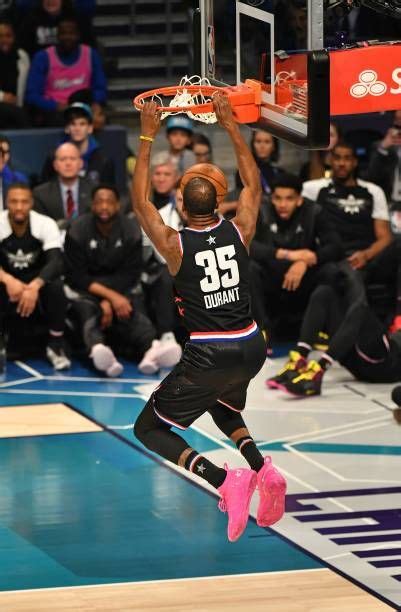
[308,383]
[294,366]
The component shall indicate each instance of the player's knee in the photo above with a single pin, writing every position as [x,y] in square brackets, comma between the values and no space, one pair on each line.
[226,420]
[143,423]
[141,429]
[147,424]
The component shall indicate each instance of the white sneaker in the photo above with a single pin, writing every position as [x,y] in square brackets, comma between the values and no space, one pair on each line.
[105,360]
[58,358]
[169,352]
[149,364]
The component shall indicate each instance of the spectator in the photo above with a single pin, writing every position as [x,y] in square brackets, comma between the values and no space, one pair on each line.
[96,166]
[385,168]
[99,117]
[103,253]
[30,269]
[9,11]
[158,285]
[359,212]
[14,66]
[202,149]
[319,164]
[39,27]
[357,341]
[396,323]
[265,149]
[289,252]
[7,174]
[163,180]
[179,129]
[67,195]
[360,24]
[61,70]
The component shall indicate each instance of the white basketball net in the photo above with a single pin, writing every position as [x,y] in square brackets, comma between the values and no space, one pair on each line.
[183,98]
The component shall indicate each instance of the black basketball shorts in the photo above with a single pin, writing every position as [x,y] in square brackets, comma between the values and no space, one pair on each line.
[209,373]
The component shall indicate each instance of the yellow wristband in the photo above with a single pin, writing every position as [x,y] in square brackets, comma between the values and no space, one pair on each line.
[148,138]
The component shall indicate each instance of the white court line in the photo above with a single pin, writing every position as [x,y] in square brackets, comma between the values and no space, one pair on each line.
[335,428]
[384,546]
[128,381]
[305,409]
[27,368]
[369,547]
[169,580]
[364,425]
[284,471]
[322,467]
[76,393]
[366,428]
[19,381]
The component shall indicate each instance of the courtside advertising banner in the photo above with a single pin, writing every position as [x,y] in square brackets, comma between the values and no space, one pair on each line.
[365,80]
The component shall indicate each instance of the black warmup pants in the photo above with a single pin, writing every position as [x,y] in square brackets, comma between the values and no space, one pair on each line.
[52,305]
[132,337]
[159,297]
[269,299]
[357,338]
[384,267]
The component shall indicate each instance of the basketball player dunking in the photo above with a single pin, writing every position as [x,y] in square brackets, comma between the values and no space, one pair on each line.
[209,263]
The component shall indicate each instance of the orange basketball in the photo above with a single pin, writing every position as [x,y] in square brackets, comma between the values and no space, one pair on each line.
[210,172]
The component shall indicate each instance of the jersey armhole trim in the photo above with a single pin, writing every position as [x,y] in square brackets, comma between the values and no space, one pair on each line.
[238,232]
[180,245]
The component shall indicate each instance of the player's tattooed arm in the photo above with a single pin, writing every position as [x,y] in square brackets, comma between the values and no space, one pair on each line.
[249,200]
[164,238]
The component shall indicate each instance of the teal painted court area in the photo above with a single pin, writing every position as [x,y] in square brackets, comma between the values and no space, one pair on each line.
[96,508]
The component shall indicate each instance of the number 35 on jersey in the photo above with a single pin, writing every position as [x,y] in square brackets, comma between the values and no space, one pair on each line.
[220,283]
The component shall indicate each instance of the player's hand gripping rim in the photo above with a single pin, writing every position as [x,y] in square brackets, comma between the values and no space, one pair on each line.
[150,119]
[223,110]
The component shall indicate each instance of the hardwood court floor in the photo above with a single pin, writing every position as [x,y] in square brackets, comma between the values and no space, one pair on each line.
[307,591]
[42,420]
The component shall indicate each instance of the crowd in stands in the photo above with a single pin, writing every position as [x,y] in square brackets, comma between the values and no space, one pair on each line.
[48,54]
[328,241]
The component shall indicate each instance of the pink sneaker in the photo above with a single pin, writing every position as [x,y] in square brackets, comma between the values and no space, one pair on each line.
[236,492]
[272,488]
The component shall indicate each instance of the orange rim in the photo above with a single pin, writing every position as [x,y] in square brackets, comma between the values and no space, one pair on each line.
[206,90]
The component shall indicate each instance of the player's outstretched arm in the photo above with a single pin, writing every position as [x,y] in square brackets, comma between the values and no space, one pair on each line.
[249,200]
[164,238]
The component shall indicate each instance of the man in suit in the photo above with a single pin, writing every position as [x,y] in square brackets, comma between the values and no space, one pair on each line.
[67,195]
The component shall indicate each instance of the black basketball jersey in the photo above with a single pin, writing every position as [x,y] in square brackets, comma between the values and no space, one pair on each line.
[351,212]
[25,256]
[212,285]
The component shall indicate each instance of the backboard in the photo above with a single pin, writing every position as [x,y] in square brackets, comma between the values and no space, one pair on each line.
[279,43]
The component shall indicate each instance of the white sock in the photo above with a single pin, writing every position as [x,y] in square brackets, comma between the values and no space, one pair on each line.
[168,337]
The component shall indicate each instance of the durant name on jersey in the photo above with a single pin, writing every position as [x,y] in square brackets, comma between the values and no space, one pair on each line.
[221,297]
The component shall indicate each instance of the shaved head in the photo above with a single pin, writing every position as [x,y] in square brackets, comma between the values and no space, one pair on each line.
[200,197]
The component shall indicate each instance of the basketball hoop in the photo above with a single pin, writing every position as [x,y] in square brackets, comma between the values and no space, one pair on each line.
[194,96]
